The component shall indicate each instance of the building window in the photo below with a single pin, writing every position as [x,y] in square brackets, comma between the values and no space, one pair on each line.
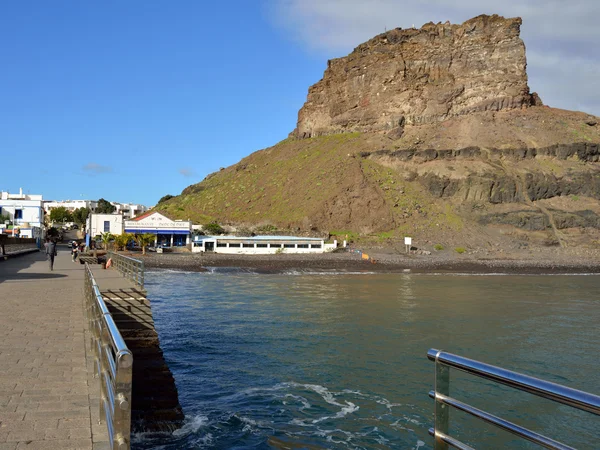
[302,245]
[289,245]
[106,226]
[234,245]
[261,245]
[248,245]
[18,213]
[179,240]
[221,244]
[315,245]
[275,245]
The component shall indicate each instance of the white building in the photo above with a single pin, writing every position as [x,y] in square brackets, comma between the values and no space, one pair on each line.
[24,212]
[70,205]
[97,224]
[260,245]
[169,233]
[129,210]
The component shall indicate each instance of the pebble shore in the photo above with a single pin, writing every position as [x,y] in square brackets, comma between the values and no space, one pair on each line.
[351,261]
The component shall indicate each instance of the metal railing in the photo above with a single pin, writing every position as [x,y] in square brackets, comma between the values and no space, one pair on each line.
[129,267]
[114,362]
[552,391]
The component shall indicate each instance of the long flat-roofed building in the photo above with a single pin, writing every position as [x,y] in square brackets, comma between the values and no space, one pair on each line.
[260,245]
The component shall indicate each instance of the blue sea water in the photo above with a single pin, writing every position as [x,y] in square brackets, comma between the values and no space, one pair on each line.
[308,360]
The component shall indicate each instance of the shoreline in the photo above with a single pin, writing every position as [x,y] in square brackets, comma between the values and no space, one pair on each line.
[340,262]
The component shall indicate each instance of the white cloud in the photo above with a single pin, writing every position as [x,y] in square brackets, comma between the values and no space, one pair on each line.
[96,168]
[561,37]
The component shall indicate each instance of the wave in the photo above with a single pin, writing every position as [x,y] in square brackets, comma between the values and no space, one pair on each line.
[191,425]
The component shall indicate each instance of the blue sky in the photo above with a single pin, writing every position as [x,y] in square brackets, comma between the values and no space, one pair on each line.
[132,100]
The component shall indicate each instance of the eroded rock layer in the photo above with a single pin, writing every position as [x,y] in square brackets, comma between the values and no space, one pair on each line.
[419,76]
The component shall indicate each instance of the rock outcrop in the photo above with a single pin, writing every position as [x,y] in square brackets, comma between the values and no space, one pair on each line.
[431,133]
[417,76]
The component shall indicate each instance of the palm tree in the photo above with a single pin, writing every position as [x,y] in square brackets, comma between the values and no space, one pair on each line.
[143,240]
[106,237]
[121,240]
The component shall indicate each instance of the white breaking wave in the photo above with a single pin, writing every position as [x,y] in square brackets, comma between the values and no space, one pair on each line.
[191,425]
[305,403]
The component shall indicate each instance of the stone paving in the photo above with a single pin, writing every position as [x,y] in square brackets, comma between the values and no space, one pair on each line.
[48,396]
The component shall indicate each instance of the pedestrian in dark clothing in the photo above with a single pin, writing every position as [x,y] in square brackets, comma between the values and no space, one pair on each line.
[50,252]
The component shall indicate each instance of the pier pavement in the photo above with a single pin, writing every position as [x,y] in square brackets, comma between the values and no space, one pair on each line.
[48,396]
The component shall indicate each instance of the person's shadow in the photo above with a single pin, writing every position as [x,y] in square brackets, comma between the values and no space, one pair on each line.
[10,269]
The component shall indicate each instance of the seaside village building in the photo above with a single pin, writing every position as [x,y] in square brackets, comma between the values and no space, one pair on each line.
[97,224]
[127,210]
[70,205]
[168,232]
[23,214]
[260,245]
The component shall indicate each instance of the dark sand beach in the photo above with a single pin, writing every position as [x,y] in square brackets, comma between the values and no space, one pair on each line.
[543,261]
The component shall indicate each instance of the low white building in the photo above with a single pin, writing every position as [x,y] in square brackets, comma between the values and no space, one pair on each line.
[169,233]
[97,224]
[129,210]
[260,245]
[25,212]
[70,205]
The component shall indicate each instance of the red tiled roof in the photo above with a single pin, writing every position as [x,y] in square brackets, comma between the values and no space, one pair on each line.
[143,216]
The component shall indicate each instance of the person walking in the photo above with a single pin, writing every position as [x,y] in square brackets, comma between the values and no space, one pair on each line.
[50,252]
[74,251]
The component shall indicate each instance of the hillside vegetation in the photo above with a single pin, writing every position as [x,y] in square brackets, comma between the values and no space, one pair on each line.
[368,185]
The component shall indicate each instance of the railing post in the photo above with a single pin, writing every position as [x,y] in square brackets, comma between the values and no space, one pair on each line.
[442,412]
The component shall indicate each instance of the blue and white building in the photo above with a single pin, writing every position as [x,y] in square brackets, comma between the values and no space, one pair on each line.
[24,212]
[168,232]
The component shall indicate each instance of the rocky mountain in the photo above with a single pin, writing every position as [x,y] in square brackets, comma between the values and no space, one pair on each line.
[410,77]
[428,132]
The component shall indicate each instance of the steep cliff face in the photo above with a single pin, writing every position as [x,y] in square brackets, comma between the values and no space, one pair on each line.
[418,76]
[430,133]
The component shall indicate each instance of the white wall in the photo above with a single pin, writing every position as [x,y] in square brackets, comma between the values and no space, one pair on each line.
[269,250]
[95,225]
[71,205]
[31,210]
[129,210]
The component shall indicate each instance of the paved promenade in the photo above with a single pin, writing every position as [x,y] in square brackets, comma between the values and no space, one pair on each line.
[48,398]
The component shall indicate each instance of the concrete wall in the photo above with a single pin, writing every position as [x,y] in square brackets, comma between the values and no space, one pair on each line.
[95,224]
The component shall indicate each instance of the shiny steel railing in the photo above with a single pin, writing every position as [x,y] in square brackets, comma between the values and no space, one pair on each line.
[113,361]
[552,391]
[129,267]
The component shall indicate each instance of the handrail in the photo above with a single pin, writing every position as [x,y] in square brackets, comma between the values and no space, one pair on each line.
[541,388]
[113,361]
[129,267]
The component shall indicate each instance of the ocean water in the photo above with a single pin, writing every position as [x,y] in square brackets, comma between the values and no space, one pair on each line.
[323,360]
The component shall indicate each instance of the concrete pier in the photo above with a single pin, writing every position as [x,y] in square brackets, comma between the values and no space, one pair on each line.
[48,396]
[155,402]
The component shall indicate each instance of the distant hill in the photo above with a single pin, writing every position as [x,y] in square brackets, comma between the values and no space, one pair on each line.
[431,133]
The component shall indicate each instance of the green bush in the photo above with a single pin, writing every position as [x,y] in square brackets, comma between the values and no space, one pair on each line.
[460,250]
[265,228]
[213,228]
[438,247]
[165,198]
